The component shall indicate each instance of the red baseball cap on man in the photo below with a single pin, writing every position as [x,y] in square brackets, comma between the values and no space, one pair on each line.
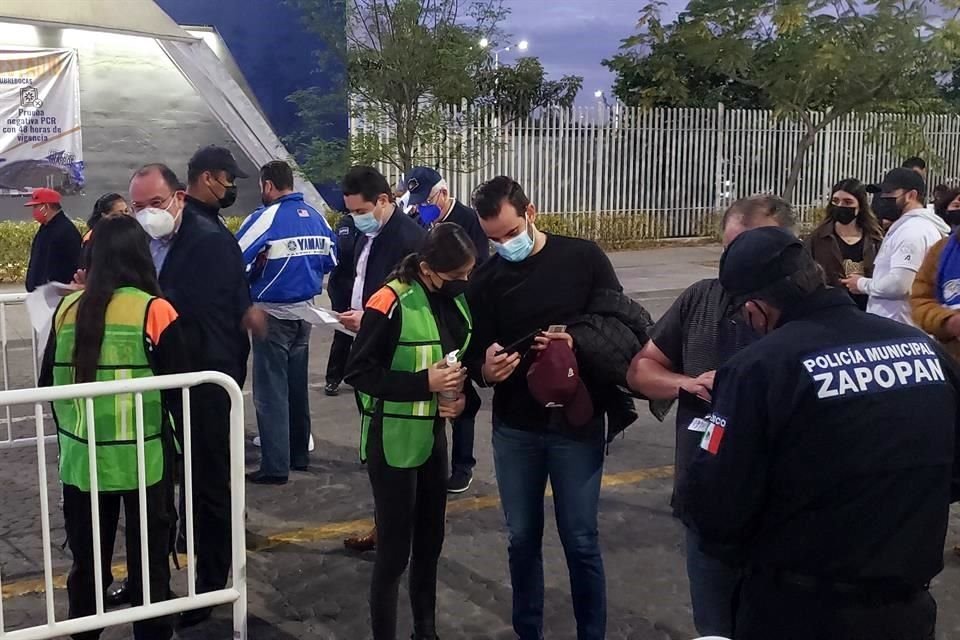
[554,381]
[42,195]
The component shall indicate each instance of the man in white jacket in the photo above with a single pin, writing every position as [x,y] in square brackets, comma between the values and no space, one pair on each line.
[914,230]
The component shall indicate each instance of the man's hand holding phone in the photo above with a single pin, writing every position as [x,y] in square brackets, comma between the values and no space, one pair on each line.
[499,365]
[553,332]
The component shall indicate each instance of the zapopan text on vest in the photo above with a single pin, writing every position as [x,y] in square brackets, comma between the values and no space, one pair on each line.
[873,378]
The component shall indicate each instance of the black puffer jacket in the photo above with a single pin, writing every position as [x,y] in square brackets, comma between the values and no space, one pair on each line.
[608,336]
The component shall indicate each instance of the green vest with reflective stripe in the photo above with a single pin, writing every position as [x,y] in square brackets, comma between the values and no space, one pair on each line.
[123,356]
[408,426]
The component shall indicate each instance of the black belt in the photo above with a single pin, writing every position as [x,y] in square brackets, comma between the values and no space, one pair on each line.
[880,592]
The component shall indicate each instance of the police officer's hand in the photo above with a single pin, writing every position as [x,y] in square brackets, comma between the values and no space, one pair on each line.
[351,320]
[497,366]
[701,386]
[452,408]
[446,379]
[953,325]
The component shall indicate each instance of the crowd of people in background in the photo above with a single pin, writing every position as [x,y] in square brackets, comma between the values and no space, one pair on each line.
[436,298]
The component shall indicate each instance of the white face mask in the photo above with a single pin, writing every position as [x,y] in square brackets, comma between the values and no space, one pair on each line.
[158,223]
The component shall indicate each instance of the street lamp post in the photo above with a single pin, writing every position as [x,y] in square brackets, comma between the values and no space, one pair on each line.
[521,46]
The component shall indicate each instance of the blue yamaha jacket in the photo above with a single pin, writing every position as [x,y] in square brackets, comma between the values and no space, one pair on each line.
[287,248]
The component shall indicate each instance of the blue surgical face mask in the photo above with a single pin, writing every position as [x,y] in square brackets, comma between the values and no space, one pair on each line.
[429,213]
[366,223]
[516,249]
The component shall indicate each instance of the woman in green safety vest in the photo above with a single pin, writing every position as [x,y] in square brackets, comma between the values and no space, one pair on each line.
[408,384]
[117,328]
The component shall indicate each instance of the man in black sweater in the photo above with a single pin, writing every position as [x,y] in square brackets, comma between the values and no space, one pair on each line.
[430,193]
[387,237]
[55,252]
[535,282]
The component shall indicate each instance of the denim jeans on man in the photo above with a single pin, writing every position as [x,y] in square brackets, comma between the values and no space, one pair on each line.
[462,434]
[713,589]
[524,460]
[280,362]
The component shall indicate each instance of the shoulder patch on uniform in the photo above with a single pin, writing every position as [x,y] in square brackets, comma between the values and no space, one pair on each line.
[383,301]
[713,435]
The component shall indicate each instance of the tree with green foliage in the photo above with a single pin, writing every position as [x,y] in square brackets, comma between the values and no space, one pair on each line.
[519,90]
[410,65]
[804,56]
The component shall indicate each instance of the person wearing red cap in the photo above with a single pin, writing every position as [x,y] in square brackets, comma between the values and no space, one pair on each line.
[55,252]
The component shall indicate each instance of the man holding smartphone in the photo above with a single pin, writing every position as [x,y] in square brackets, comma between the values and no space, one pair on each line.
[535,282]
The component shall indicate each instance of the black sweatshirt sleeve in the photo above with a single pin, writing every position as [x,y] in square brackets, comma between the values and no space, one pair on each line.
[368,369]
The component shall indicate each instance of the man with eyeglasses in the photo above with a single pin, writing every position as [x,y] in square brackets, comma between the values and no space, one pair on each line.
[201,272]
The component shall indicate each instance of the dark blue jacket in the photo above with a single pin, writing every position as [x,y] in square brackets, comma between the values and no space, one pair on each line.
[398,238]
[340,282]
[204,278]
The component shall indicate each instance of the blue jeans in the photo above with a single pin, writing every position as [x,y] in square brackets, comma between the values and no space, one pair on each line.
[524,460]
[713,588]
[461,436]
[280,395]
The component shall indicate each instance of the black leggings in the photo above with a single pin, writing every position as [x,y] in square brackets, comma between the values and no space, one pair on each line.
[411,506]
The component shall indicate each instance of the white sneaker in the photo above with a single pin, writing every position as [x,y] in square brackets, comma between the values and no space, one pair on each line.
[310,447]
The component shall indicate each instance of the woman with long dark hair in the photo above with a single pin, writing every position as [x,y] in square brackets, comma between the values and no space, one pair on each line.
[405,367]
[106,205]
[846,242]
[117,328]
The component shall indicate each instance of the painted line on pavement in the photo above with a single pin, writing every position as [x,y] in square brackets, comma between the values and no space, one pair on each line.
[337,530]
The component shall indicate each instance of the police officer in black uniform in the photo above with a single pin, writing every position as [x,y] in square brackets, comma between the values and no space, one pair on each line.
[828,458]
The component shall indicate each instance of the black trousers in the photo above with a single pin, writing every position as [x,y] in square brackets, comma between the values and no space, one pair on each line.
[337,360]
[78,520]
[411,506]
[770,609]
[210,428]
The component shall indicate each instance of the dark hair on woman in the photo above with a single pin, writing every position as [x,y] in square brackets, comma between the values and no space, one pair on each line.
[865,217]
[446,248]
[120,258]
[101,207]
[944,197]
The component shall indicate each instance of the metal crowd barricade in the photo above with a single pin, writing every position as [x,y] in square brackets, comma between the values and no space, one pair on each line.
[7,438]
[235,593]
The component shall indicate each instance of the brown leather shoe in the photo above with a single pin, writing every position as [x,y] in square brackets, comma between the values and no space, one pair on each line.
[367,542]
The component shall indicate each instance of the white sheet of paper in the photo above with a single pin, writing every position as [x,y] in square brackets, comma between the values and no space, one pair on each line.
[318,316]
[41,304]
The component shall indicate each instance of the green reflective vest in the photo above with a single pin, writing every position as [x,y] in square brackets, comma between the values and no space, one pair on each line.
[408,426]
[123,356]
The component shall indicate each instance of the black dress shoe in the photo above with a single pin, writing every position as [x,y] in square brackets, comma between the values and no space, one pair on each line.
[301,467]
[117,595]
[195,617]
[332,389]
[256,477]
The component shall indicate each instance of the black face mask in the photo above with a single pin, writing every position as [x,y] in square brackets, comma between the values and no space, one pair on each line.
[952,218]
[888,209]
[454,288]
[843,215]
[229,196]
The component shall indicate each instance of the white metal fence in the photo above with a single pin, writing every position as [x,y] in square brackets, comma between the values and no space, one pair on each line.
[19,367]
[235,593]
[632,173]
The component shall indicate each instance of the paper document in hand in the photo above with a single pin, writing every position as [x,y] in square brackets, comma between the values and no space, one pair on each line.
[41,304]
[320,316]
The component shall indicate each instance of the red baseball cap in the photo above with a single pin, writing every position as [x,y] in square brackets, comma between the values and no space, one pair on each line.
[554,381]
[42,195]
